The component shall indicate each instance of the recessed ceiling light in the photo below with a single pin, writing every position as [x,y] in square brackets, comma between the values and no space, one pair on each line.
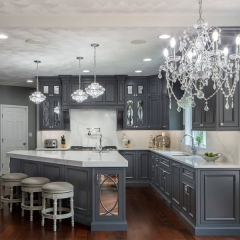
[29,81]
[2,36]
[86,71]
[32,41]
[138,41]
[138,71]
[164,36]
[147,59]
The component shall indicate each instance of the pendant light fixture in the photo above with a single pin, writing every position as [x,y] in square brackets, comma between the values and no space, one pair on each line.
[79,95]
[94,90]
[200,65]
[37,97]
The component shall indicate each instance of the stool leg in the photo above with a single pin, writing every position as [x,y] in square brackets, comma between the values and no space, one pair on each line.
[54,215]
[43,209]
[60,208]
[31,206]
[72,210]
[11,197]
[2,195]
[23,202]
[17,193]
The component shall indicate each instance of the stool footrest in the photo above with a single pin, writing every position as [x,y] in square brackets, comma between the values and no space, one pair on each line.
[58,216]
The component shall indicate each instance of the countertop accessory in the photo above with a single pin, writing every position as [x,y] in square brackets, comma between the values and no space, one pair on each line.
[159,140]
[37,97]
[124,141]
[95,90]
[63,142]
[211,159]
[79,95]
[50,143]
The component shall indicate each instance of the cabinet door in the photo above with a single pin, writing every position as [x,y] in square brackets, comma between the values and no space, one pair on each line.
[165,111]
[228,119]
[197,113]
[129,115]
[135,88]
[153,88]
[110,95]
[189,200]
[157,175]
[50,120]
[131,169]
[154,119]
[143,165]
[140,111]
[152,168]
[176,185]
[165,182]
[52,89]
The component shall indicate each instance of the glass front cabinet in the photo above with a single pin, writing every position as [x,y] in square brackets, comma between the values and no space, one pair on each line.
[50,114]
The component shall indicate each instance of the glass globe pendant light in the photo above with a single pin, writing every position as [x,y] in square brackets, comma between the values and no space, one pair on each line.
[79,95]
[37,97]
[94,90]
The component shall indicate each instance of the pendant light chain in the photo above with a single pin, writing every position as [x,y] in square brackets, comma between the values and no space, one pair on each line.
[200,12]
[95,63]
[79,79]
[37,76]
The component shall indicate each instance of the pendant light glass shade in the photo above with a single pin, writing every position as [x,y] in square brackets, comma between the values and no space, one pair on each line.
[37,97]
[95,90]
[79,95]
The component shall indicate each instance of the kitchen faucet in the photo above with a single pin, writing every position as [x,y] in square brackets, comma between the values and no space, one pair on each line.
[100,144]
[193,146]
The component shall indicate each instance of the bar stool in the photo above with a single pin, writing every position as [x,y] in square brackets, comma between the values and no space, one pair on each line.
[57,191]
[12,180]
[32,185]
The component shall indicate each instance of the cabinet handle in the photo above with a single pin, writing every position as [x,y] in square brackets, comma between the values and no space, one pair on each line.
[163,173]
[164,126]
[97,179]
[176,165]
[201,125]
[149,126]
[221,124]
[136,126]
[188,173]
[186,189]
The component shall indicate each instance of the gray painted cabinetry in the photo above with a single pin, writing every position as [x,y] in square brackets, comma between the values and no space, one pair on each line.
[206,200]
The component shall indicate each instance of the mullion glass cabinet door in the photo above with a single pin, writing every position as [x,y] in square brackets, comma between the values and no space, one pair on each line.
[46,115]
[57,113]
[129,116]
[140,113]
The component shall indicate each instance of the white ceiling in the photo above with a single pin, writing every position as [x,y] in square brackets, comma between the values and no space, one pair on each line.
[66,28]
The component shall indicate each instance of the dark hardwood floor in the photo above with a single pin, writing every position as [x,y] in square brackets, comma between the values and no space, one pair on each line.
[148,219]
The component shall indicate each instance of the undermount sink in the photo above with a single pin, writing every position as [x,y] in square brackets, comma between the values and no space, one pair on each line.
[181,154]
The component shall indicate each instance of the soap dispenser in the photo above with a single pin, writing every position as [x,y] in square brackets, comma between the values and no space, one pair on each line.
[63,142]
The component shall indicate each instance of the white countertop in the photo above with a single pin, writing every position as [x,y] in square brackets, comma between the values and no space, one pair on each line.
[194,161]
[52,149]
[73,158]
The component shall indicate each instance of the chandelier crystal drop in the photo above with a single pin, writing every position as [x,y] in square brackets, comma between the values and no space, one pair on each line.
[200,65]
[37,97]
[79,95]
[95,90]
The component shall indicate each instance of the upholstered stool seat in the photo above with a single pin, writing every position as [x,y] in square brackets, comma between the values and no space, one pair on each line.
[57,191]
[12,180]
[32,185]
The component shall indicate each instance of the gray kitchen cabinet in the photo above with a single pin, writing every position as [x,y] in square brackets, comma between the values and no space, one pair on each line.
[188,199]
[137,171]
[50,86]
[218,193]
[176,196]
[165,182]
[135,113]
[136,87]
[152,167]
[48,119]
[131,171]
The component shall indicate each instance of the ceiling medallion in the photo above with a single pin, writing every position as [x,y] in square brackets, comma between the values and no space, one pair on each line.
[95,90]
[201,65]
[79,95]
[37,97]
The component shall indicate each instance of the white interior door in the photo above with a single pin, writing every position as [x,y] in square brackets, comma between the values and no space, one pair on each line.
[14,132]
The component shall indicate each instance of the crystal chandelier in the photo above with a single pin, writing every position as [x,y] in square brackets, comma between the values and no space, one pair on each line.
[79,95]
[201,64]
[94,90]
[37,97]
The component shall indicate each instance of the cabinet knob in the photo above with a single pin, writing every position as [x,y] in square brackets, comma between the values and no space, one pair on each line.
[149,126]
[221,124]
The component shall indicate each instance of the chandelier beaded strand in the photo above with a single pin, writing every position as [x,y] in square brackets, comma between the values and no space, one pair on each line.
[79,95]
[199,62]
[37,97]
[95,90]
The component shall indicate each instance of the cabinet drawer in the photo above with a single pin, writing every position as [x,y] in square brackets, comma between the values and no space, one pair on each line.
[188,173]
[165,162]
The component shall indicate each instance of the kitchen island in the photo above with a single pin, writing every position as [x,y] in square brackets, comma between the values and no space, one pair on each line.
[98,180]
